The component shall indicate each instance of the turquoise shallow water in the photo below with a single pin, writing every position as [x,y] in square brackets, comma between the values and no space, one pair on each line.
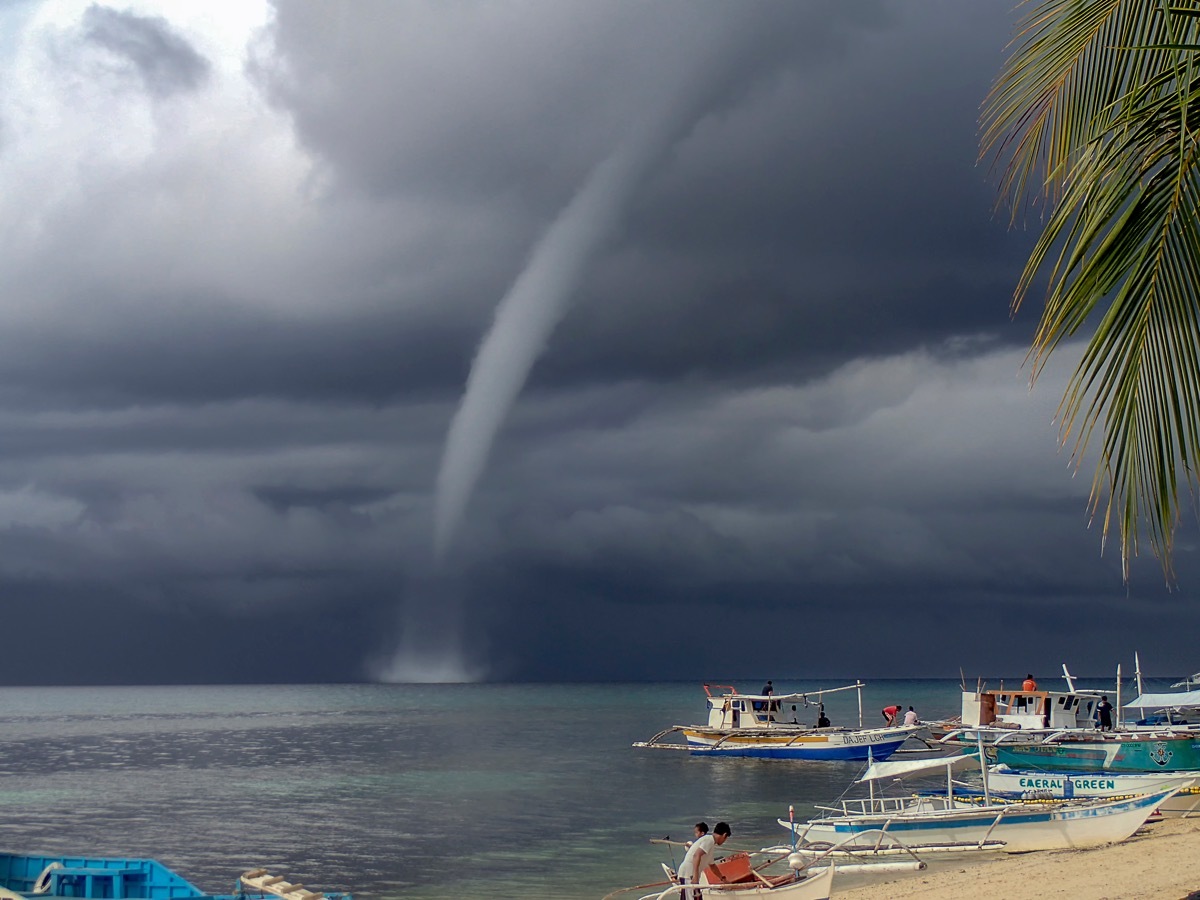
[396,791]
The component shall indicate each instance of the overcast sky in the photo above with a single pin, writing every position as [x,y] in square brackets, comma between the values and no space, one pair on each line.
[776,420]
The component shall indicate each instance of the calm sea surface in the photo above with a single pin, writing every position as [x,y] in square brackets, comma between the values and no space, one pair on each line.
[398,791]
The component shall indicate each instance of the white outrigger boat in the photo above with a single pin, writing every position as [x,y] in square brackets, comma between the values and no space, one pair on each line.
[1018,714]
[921,823]
[1179,706]
[766,726]
[742,875]
[1026,784]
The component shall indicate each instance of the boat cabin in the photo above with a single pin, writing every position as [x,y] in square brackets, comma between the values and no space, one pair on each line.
[1028,709]
[731,710]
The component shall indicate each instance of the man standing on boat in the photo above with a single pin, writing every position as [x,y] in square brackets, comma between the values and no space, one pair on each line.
[1104,713]
[1029,684]
[890,713]
[700,855]
[768,691]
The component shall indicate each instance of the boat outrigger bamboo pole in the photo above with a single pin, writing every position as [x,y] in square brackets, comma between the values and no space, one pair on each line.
[858,684]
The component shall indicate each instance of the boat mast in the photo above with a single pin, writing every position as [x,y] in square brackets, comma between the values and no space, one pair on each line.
[858,684]
[1070,680]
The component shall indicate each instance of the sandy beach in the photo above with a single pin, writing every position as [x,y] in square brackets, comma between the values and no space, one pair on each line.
[1160,862]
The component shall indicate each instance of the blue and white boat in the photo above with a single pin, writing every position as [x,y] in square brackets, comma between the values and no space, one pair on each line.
[923,822]
[767,726]
[25,876]
[1017,784]
[1173,750]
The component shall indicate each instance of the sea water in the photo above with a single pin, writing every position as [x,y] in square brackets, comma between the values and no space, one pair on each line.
[401,791]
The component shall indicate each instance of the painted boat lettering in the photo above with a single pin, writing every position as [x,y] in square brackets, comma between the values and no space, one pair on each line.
[1081,784]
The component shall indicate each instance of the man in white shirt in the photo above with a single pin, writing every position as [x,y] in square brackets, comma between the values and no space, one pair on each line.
[910,717]
[700,855]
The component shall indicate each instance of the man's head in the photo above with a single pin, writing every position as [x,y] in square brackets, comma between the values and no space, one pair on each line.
[721,832]
[701,829]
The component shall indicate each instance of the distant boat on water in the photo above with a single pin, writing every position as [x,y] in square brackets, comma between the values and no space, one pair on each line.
[766,726]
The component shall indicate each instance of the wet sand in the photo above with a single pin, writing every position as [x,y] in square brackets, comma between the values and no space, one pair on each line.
[1160,862]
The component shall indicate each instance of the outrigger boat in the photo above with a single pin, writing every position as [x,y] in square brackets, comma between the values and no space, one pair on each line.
[37,877]
[1173,707]
[741,876]
[1016,784]
[924,823]
[766,726]
[1123,751]
[994,714]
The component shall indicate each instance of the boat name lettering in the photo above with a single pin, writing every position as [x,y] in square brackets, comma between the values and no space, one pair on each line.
[851,738]
[1081,784]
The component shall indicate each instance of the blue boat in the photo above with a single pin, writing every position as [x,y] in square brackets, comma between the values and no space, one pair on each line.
[136,879]
[766,726]
[1125,751]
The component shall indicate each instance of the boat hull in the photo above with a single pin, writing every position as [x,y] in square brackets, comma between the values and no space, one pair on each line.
[815,887]
[878,744]
[1020,828]
[1115,754]
[818,886]
[101,878]
[1013,783]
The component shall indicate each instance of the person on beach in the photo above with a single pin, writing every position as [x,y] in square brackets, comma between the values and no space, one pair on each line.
[1104,714]
[700,855]
[910,717]
[890,713]
[822,719]
[1029,684]
[701,829]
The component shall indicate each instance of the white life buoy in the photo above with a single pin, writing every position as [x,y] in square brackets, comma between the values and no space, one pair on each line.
[42,885]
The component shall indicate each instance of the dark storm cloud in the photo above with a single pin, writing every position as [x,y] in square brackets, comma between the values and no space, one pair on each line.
[166,62]
[787,398]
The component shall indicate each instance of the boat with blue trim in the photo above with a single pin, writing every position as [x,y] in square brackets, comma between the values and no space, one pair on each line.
[767,726]
[1016,784]
[925,821]
[34,877]
[1124,751]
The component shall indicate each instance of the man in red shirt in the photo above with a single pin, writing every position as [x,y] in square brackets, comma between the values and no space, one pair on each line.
[890,713]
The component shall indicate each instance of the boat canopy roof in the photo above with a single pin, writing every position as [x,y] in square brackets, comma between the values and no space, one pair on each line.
[1170,698]
[901,767]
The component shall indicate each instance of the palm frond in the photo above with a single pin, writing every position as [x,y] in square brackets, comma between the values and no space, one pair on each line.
[1097,113]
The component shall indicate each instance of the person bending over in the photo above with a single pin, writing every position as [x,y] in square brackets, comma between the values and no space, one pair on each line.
[700,855]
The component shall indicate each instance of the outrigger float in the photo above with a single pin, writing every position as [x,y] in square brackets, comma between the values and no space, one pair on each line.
[766,726]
